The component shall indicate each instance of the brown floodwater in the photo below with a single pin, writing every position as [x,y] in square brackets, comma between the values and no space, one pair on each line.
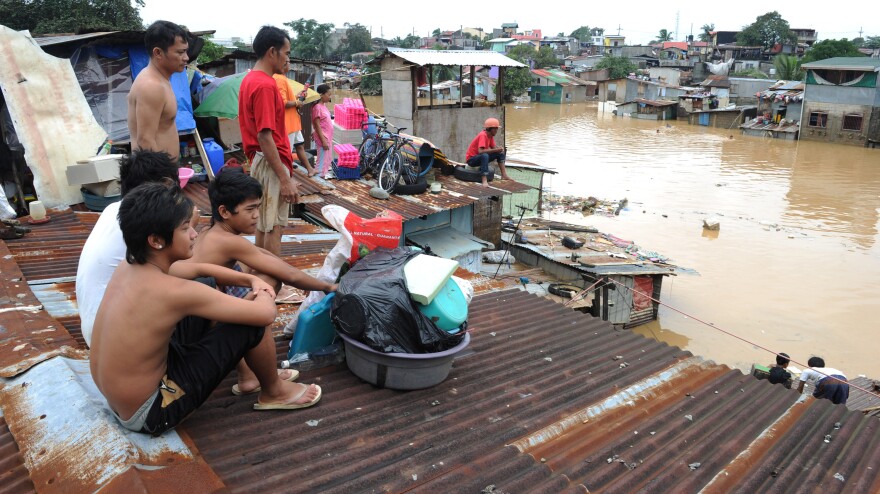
[792,266]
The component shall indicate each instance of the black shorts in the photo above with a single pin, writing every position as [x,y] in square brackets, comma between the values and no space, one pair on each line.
[200,356]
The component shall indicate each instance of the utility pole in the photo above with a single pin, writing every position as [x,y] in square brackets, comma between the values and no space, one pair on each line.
[618,29]
[677,18]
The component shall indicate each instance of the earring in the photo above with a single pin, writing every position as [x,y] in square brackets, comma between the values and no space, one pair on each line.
[159,247]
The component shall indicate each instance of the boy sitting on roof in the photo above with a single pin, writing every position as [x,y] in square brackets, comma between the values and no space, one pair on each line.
[155,354]
[235,209]
[830,383]
[779,373]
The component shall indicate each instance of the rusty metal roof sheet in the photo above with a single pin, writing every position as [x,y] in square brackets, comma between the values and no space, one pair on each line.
[544,397]
[552,399]
[354,195]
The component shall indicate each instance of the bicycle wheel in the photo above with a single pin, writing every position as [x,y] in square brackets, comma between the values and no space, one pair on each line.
[410,167]
[389,173]
[367,152]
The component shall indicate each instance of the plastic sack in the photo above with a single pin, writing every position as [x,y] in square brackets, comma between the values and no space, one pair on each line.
[333,263]
[367,234]
[373,306]
[498,257]
[466,287]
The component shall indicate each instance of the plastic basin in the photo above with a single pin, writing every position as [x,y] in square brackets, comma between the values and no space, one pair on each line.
[184,174]
[403,371]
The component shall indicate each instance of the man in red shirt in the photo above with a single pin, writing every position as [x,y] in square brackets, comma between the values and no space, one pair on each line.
[483,150]
[264,136]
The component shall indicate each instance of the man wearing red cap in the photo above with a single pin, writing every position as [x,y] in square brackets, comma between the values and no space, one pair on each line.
[483,150]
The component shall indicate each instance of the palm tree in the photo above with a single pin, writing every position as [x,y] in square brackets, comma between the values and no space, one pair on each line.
[664,35]
[788,68]
[706,30]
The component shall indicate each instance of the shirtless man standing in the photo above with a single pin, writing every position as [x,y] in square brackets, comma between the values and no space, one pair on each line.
[156,362]
[152,106]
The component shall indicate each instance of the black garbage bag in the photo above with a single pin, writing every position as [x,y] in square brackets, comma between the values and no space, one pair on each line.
[373,306]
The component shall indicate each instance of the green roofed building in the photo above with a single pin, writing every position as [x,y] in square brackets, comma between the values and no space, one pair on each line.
[842,101]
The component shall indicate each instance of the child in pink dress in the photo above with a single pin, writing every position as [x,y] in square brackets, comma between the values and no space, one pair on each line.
[322,131]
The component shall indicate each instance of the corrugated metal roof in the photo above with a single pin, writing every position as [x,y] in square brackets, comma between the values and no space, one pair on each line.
[544,398]
[452,57]
[562,78]
[354,195]
[651,102]
[845,63]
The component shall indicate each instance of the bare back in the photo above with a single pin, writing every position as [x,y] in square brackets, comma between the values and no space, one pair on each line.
[152,110]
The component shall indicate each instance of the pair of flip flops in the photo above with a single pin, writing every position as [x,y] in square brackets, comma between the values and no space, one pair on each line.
[294,374]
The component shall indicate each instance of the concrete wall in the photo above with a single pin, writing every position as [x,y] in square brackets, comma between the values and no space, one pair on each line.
[833,131]
[866,96]
[397,92]
[743,91]
[453,129]
[666,74]
[487,219]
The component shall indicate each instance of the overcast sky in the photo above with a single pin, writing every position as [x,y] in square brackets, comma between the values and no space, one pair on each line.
[638,20]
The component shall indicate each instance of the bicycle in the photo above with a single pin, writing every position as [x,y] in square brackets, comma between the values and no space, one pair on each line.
[386,155]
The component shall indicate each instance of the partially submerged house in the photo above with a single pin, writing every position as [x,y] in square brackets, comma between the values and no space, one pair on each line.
[556,86]
[778,112]
[646,109]
[842,101]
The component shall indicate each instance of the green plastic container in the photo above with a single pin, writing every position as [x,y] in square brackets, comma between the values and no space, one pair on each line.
[449,308]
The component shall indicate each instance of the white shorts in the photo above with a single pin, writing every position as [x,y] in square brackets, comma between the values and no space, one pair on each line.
[296,138]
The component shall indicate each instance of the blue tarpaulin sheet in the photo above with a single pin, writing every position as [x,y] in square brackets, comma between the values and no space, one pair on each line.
[179,83]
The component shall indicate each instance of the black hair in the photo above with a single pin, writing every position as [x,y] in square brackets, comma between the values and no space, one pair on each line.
[269,37]
[322,88]
[782,359]
[143,166]
[816,362]
[230,188]
[163,34]
[151,209]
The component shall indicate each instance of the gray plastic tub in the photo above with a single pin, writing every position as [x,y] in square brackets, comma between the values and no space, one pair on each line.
[400,370]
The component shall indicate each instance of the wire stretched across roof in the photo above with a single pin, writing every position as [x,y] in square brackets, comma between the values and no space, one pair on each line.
[451,57]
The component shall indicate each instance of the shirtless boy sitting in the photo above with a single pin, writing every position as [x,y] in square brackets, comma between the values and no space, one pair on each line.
[235,207]
[155,355]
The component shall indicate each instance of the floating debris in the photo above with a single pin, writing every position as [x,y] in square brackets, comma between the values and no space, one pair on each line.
[694,466]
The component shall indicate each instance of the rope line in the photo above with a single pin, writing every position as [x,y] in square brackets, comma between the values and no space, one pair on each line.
[734,335]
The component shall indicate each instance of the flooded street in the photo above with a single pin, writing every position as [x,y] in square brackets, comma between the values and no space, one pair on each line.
[792,265]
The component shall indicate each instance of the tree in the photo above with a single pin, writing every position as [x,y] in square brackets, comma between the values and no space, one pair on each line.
[210,51]
[358,39]
[310,38]
[767,30]
[620,66]
[859,42]
[517,80]
[872,42]
[436,33]
[830,48]
[663,36]
[371,81]
[752,73]
[71,16]
[788,68]
[705,32]
[582,34]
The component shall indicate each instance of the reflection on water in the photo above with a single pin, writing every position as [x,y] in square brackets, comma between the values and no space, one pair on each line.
[792,265]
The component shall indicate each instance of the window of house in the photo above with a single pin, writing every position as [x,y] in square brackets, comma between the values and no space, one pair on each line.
[852,122]
[818,119]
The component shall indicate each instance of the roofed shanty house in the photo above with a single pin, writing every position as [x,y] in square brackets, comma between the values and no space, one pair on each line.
[842,101]
[555,86]
[450,125]
[646,109]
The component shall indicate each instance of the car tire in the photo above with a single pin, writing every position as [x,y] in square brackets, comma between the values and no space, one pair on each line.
[466,175]
[419,187]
